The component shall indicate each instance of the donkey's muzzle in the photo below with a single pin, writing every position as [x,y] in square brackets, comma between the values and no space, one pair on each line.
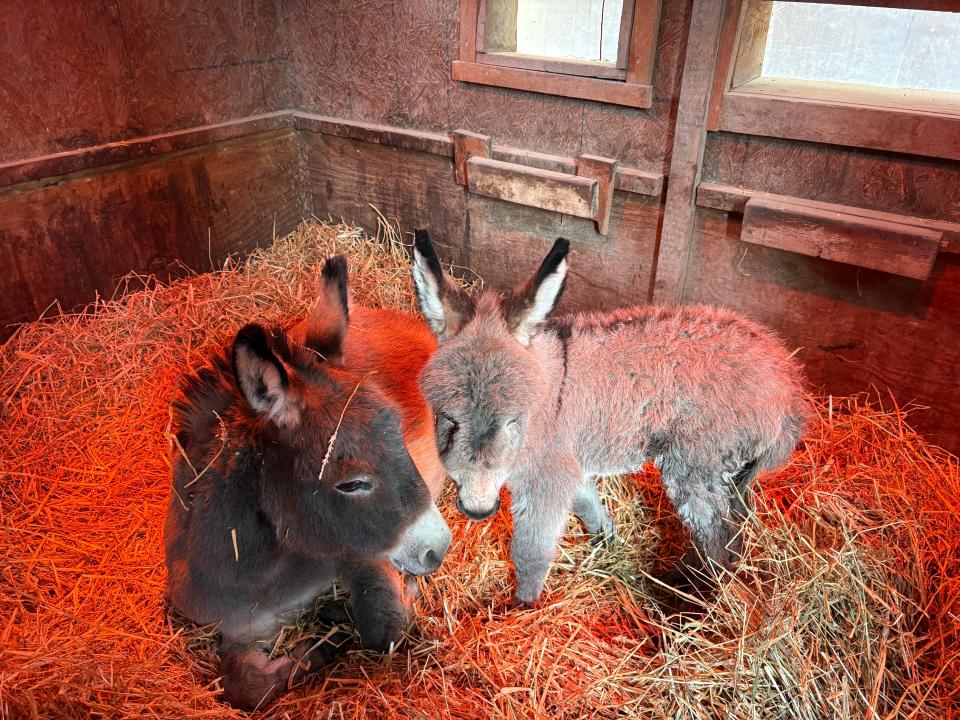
[423,545]
[472,515]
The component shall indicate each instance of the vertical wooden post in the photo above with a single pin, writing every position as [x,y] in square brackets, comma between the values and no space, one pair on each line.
[688,141]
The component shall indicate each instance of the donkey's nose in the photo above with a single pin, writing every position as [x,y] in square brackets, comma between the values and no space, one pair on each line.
[432,558]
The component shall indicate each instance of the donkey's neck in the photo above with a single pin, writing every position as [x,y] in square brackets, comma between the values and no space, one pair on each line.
[549,348]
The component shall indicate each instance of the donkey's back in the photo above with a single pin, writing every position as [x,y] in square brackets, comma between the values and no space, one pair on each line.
[699,382]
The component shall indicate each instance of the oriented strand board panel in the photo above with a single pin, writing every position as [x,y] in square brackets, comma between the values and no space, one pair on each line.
[508,241]
[359,181]
[74,239]
[855,327]
[901,184]
[86,73]
[865,242]
[64,82]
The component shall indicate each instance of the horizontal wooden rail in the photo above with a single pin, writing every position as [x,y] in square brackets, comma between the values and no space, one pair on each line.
[568,194]
[890,247]
[734,199]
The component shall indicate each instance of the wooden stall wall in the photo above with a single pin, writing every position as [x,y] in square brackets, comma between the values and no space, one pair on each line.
[384,64]
[120,150]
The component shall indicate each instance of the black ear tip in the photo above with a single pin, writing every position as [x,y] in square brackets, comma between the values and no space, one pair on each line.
[421,240]
[335,268]
[251,335]
[561,247]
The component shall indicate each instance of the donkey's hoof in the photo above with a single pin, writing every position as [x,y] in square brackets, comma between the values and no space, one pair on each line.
[252,679]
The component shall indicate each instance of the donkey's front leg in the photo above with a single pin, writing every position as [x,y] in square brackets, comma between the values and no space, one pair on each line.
[377,604]
[540,505]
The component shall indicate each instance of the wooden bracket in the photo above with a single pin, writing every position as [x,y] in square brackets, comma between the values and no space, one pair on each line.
[603,170]
[533,187]
[466,145]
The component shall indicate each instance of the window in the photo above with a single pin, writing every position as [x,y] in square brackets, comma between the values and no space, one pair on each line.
[875,77]
[594,49]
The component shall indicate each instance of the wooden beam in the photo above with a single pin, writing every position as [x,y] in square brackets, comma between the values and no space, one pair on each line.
[419,140]
[643,41]
[466,145]
[866,242]
[927,133]
[608,91]
[469,12]
[639,182]
[602,170]
[122,151]
[734,199]
[687,157]
[533,187]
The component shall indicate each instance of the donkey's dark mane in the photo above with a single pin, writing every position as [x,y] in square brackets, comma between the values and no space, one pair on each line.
[212,391]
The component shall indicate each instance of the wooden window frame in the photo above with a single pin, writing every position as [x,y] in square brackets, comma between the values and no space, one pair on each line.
[629,82]
[913,122]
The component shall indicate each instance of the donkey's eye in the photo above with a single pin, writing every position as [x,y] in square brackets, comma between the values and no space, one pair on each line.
[446,429]
[354,486]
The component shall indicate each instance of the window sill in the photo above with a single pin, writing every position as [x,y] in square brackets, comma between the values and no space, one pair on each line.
[549,83]
[906,121]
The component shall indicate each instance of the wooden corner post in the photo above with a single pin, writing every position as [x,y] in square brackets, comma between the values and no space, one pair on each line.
[689,137]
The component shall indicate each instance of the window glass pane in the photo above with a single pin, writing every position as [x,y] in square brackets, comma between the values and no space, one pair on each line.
[569,29]
[865,45]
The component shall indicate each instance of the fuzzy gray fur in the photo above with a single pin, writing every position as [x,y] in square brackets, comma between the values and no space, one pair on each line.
[710,397]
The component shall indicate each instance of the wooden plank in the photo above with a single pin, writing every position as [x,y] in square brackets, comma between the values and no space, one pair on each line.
[75,239]
[751,41]
[640,182]
[688,144]
[585,68]
[602,170]
[723,73]
[852,328]
[98,156]
[469,12]
[543,189]
[497,26]
[643,42]
[866,242]
[465,146]
[531,158]
[508,240]
[609,91]
[734,199]
[626,31]
[419,140]
[930,134]
[359,182]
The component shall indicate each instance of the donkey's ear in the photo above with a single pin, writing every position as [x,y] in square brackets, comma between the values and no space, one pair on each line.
[528,306]
[262,378]
[325,326]
[446,307]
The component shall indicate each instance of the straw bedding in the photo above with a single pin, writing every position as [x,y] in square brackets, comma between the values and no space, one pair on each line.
[846,603]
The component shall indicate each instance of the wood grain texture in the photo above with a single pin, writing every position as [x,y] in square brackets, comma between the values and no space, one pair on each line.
[566,194]
[508,242]
[698,70]
[352,180]
[881,245]
[855,328]
[907,185]
[419,140]
[75,239]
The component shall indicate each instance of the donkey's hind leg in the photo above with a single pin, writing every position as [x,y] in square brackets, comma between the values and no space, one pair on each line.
[589,509]
[704,502]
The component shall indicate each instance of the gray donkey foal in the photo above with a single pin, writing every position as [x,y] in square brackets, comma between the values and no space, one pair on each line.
[545,406]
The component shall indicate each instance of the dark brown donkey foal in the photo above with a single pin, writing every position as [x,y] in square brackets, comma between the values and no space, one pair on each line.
[302,460]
